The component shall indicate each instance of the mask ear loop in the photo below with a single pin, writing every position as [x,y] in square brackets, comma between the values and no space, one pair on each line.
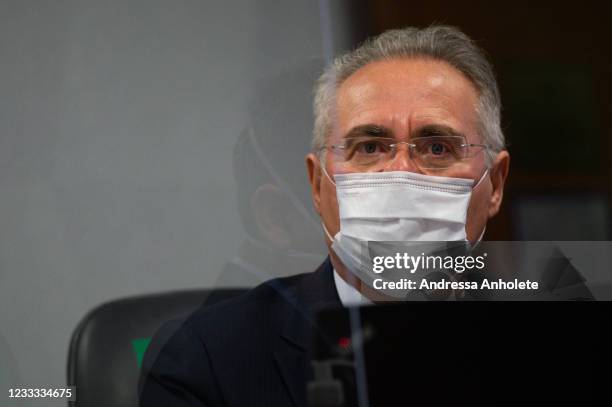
[329,236]
[327,175]
[482,177]
[470,245]
[475,245]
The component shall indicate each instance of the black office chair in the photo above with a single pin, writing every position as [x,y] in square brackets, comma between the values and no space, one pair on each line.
[108,345]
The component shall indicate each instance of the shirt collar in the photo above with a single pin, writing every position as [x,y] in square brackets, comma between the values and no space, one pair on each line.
[349,296]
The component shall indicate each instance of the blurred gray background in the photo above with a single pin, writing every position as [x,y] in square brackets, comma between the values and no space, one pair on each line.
[119,126]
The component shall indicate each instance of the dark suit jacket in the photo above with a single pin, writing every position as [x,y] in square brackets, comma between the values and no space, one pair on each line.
[248,351]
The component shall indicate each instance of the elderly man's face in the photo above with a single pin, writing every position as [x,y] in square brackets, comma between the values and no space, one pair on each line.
[403,96]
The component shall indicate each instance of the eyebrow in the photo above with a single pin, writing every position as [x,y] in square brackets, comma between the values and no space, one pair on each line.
[372,130]
[436,130]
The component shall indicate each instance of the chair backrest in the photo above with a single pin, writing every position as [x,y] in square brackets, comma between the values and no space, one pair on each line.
[107,346]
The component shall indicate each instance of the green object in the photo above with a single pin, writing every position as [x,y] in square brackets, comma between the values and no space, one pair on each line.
[139,345]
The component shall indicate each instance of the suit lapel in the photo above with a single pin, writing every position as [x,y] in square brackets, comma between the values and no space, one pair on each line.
[291,351]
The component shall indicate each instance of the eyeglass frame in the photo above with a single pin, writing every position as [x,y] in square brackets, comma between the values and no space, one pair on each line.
[411,146]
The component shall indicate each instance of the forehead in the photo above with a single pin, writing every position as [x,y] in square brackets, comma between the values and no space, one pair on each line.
[404,94]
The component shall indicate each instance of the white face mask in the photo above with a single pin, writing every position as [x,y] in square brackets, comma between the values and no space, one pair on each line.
[397,206]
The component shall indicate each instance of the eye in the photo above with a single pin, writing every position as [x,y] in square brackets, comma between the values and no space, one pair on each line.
[369,147]
[366,148]
[438,152]
[437,148]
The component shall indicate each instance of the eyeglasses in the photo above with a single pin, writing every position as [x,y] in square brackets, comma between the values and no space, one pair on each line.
[367,153]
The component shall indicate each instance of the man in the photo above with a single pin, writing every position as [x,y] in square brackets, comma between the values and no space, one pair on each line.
[412,114]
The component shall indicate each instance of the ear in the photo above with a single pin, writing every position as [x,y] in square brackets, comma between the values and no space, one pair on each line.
[313,165]
[499,173]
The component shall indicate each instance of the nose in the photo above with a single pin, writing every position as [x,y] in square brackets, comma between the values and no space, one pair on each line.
[402,161]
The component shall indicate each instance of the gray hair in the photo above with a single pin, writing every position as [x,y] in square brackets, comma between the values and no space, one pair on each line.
[444,43]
